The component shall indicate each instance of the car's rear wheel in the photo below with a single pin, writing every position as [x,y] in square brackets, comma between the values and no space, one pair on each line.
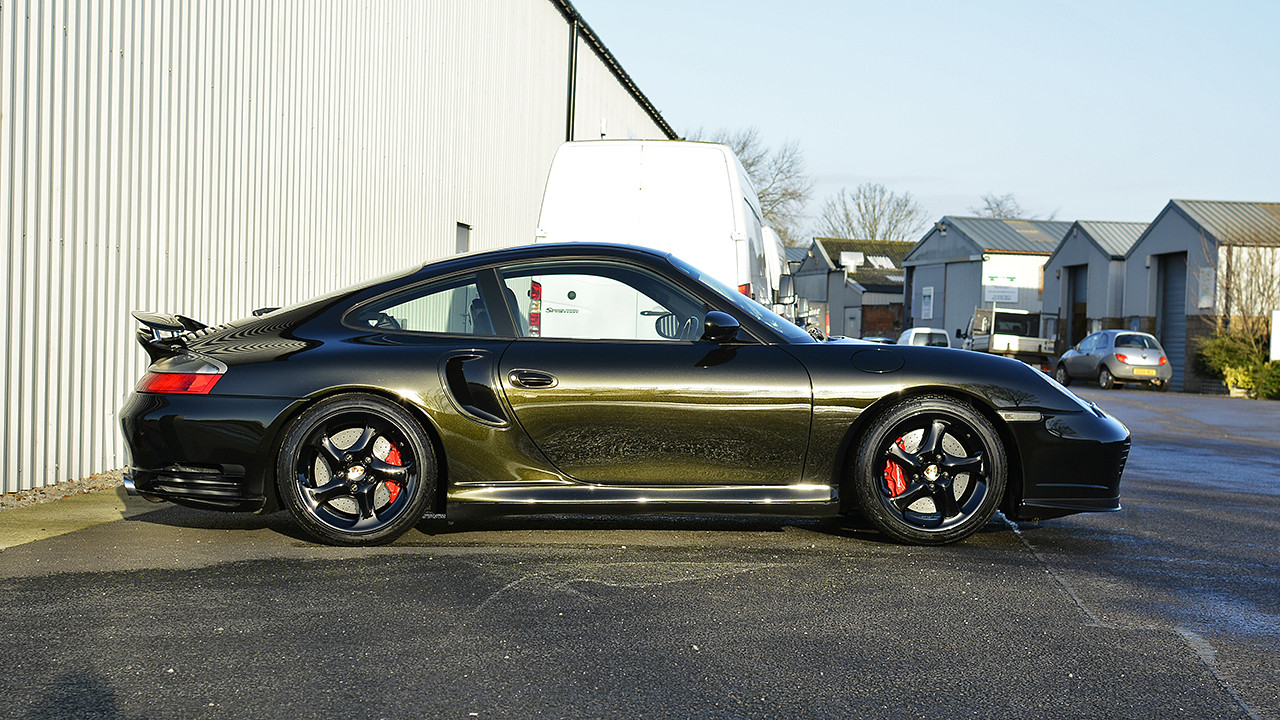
[1060,374]
[1106,380]
[1162,385]
[356,470]
[931,471]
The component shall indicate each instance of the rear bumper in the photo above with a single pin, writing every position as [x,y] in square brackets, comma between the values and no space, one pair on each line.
[1140,373]
[206,451]
[1071,463]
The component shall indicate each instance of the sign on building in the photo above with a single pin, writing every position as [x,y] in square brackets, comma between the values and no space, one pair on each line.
[1000,293]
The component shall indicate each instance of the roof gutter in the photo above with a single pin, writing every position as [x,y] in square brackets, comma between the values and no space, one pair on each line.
[580,29]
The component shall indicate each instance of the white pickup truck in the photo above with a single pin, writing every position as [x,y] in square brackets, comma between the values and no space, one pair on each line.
[1012,333]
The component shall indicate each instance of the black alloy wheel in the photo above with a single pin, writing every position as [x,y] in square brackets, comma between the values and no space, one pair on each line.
[1106,380]
[932,471]
[356,470]
[1060,374]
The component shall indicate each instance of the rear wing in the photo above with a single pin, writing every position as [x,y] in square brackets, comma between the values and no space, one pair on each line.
[161,335]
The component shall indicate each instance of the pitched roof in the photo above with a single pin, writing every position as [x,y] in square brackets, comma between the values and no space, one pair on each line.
[895,250]
[1113,238]
[880,280]
[871,276]
[999,235]
[1235,223]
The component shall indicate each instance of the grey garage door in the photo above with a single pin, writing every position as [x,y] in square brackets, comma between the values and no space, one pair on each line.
[1173,313]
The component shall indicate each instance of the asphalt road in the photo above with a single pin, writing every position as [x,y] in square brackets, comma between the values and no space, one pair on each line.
[1169,609]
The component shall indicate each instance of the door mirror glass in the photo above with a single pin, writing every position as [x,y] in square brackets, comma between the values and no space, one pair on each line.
[667,326]
[786,294]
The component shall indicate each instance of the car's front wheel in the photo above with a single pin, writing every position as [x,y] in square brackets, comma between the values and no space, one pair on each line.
[356,470]
[931,471]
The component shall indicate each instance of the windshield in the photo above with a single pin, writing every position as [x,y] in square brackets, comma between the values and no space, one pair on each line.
[761,313]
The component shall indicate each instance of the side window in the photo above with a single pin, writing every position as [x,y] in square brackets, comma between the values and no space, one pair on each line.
[600,300]
[452,306]
[1089,344]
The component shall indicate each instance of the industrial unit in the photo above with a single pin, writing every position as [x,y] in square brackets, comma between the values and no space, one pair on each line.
[210,159]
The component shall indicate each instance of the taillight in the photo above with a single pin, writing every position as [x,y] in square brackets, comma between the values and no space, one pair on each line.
[1163,360]
[1122,358]
[178,383]
[745,289]
[535,309]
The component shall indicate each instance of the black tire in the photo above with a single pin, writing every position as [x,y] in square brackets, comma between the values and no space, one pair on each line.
[1060,374]
[356,470]
[1162,385]
[953,470]
[1106,380]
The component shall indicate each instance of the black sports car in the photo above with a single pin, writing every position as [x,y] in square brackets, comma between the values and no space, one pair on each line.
[595,378]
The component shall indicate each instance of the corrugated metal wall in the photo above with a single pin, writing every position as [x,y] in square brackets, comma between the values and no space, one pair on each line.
[211,158]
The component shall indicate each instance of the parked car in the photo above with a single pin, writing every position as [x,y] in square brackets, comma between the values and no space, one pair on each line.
[429,391]
[1116,357]
[933,337]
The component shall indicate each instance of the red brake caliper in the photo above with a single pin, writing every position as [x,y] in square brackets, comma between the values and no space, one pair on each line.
[393,487]
[894,478]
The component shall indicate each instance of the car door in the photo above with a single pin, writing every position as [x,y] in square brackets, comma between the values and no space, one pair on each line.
[1098,353]
[1081,363]
[614,384]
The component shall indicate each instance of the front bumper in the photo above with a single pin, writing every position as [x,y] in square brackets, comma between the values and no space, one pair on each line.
[207,451]
[1071,462]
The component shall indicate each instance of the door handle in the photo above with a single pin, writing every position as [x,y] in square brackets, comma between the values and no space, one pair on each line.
[532,379]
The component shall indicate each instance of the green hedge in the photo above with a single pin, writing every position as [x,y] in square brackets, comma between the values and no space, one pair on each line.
[1240,361]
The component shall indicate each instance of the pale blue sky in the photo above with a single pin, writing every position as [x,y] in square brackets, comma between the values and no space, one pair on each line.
[1092,110]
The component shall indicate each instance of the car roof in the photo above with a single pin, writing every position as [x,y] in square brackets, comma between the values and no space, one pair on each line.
[518,252]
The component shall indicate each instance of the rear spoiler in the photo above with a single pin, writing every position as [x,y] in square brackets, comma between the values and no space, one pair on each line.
[161,334]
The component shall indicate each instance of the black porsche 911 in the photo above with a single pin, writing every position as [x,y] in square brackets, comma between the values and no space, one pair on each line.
[595,378]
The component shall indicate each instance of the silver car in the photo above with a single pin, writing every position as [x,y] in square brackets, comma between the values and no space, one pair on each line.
[1116,356]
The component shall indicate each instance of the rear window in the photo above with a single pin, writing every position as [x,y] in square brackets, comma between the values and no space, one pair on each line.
[1134,340]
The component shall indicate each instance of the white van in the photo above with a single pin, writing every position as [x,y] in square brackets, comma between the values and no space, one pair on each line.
[693,199]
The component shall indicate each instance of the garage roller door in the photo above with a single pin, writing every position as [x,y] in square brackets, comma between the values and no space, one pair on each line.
[1173,314]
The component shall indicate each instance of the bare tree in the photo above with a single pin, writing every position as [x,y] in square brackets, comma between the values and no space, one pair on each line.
[1246,291]
[779,177]
[871,212]
[1005,207]
[1249,289]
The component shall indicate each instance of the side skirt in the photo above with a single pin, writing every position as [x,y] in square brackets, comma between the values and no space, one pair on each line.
[791,500]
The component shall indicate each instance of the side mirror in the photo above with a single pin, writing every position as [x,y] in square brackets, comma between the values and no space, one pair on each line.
[959,333]
[786,293]
[720,327]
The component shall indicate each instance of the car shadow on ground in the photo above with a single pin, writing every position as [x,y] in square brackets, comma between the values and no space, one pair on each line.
[498,528]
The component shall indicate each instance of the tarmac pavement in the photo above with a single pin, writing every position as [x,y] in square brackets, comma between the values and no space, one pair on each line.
[122,608]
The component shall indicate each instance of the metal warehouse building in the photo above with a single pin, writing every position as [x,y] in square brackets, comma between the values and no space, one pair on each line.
[962,263]
[212,158]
